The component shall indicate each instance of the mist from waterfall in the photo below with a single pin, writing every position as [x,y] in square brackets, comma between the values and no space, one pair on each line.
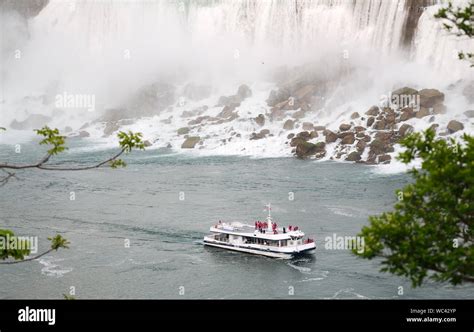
[113,48]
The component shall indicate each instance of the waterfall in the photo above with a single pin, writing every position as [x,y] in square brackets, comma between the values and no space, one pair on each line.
[112,48]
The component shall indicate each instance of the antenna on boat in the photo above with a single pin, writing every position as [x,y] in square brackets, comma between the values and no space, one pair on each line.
[269,217]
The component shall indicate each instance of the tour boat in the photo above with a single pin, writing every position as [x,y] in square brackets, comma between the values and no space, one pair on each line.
[262,238]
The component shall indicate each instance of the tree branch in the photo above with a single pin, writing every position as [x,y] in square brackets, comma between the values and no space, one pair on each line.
[28,259]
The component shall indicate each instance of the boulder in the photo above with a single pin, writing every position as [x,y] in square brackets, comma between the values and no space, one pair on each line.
[277,96]
[314,134]
[308,126]
[348,139]
[244,92]
[380,125]
[439,109]
[384,159]
[405,91]
[407,113]
[405,129]
[183,131]
[353,156]
[262,134]
[359,129]
[290,136]
[83,134]
[370,121]
[296,140]
[306,149]
[190,142]
[345,127]
[434,127]
[424,111]
[454,126]
[355,115]
[289,125]
[330,136]
[430,97]
[305,135]
[260,120]
[360,145]
[147,143]
[373,111]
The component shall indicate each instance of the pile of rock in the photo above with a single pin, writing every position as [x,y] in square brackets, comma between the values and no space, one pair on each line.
[384,127]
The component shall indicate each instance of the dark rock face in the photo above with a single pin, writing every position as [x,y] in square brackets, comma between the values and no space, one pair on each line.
[355,115]
[454,126]
[411,23]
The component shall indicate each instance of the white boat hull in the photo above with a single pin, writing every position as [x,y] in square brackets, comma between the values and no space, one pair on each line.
[283,253]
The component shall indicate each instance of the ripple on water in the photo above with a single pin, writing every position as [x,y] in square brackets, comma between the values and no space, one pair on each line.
[51,269]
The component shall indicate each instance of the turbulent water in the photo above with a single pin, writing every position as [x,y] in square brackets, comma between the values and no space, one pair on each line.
[141,204]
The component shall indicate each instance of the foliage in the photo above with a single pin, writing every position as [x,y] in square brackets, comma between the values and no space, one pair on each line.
[459,21]
[430,232]
[130,140]
[52,138]
[6,238]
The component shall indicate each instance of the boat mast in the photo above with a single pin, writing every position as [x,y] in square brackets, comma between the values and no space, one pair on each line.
[269,217]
